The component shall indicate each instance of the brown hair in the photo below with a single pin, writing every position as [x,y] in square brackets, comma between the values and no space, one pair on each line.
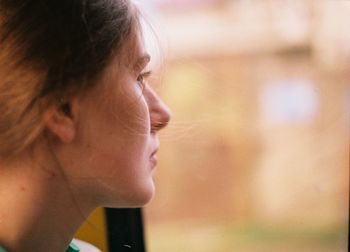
[49,48]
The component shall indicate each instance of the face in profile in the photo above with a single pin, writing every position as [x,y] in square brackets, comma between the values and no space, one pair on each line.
[112,155]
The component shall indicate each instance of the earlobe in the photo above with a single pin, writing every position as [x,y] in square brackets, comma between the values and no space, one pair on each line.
[60,123]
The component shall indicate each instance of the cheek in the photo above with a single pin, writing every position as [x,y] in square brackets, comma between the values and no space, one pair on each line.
[121,112]
[119,132]
[133,112]
[116,149]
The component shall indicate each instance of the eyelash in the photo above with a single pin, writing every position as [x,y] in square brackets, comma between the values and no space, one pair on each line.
[142,78]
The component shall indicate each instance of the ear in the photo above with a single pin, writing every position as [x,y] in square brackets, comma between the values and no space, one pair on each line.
[60,122]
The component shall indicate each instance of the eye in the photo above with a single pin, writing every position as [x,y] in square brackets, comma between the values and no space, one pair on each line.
[141,79]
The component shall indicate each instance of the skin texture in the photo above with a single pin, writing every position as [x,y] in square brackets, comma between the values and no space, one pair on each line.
[98,149]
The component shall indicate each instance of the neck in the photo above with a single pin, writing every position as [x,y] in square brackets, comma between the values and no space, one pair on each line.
[38,210]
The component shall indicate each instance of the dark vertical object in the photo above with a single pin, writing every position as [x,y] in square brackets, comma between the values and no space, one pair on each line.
[125,230]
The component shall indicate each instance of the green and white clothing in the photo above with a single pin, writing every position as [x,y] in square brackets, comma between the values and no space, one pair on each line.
[75,246]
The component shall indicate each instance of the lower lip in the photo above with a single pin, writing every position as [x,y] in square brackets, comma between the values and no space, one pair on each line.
[154,160]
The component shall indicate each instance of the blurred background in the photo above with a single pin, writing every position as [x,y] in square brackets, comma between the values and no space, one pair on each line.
[257,155]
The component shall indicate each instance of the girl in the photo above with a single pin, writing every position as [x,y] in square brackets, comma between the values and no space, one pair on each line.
[78,120]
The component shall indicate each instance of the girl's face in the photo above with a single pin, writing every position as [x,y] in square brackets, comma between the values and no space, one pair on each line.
[113,154]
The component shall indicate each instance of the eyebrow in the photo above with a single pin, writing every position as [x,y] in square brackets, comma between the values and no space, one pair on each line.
[142,61]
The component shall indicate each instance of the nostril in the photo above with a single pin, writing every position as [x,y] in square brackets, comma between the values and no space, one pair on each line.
[158,126]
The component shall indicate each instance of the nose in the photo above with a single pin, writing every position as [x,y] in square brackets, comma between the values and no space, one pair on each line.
[160,113]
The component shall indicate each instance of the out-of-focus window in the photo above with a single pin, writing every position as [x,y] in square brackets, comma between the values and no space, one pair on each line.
[256,155]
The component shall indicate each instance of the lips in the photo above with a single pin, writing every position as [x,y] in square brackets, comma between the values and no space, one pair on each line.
[154,152]
[154,160]
[153,157]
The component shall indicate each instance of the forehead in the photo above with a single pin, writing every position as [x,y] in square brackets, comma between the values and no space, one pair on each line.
[134,52]
[132,56]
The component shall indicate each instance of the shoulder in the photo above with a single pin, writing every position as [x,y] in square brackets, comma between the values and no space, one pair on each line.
[85,246]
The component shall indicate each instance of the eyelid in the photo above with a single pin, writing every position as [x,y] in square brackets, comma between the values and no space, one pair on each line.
[141,79]
[142,63]
[146,74]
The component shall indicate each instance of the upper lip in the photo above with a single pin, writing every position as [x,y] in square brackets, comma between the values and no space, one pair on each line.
[155,151]
[156,148]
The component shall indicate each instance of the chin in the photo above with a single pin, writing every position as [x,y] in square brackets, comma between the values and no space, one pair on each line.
[136,199]
[141,199]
